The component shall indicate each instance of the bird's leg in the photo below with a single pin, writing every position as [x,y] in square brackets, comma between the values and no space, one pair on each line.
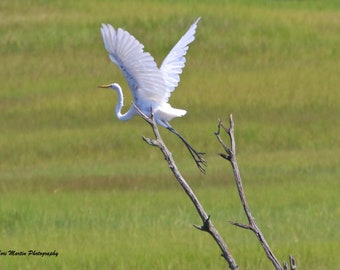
[197,156]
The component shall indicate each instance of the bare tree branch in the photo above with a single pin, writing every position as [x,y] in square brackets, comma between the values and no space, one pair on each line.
[292,263]
[231,157]
[207,223]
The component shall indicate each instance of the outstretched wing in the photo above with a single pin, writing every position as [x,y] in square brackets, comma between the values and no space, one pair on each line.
[145,80]
[175,61]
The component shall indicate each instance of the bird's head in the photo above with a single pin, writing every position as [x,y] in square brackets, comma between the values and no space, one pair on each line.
[114,86]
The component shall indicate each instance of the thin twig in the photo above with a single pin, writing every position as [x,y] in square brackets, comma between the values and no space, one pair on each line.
[207,223]
[230,155]
[292,263]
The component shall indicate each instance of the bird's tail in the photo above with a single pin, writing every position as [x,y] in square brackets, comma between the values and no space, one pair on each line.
[169,113]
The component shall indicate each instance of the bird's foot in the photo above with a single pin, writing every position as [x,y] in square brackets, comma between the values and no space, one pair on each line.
[198,158]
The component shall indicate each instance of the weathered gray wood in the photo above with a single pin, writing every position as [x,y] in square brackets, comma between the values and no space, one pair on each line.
[207,226]
[230,155]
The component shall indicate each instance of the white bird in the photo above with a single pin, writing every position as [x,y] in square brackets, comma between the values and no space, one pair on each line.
[150,86]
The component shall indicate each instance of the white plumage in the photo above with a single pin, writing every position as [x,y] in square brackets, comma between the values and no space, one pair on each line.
[151,87]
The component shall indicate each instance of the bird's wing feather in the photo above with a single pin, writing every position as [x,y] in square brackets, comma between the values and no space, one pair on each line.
[175,61]
[145,80]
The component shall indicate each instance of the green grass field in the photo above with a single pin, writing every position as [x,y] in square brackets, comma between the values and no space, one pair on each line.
[76,180]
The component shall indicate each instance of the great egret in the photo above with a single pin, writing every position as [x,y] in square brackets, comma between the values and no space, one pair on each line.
[150,86]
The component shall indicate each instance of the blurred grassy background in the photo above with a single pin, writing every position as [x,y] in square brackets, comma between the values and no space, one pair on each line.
[75,179]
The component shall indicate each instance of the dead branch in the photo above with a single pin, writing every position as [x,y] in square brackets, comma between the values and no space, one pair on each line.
[207,223]
[230,155]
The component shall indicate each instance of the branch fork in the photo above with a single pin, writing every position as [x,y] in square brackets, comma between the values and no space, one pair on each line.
[207,226]
[151,141]
[230,155]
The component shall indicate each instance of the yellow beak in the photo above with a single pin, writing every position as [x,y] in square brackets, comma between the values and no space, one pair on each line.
[104,86]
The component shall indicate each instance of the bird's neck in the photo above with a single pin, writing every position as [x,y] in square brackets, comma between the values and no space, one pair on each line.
[120,103]
[122,116]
